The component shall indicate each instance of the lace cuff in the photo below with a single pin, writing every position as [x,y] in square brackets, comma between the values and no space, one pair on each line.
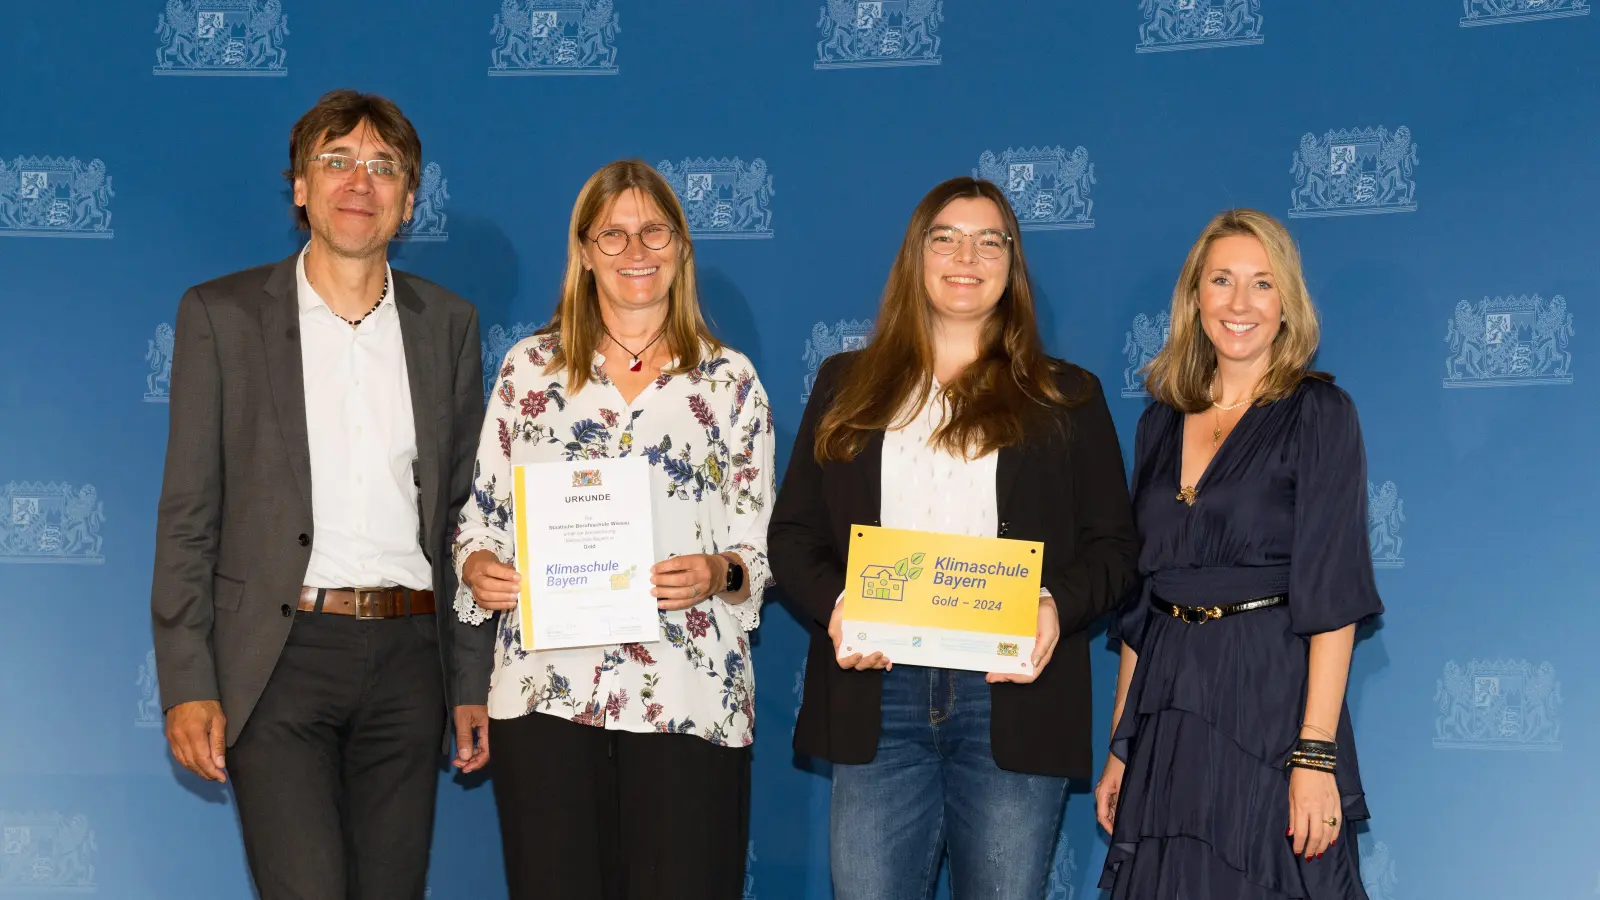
[466,608]
[759,574]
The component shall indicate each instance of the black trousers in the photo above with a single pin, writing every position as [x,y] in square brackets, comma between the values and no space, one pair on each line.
[591,814]
[337,768]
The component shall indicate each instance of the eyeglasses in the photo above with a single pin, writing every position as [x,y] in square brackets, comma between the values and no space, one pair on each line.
[990,243]
[379,169]
[613,241]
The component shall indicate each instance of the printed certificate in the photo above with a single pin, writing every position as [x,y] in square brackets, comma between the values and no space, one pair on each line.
[927,599]
[584,547]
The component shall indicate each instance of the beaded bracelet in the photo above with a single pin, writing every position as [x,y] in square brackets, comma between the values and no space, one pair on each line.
[1320,756]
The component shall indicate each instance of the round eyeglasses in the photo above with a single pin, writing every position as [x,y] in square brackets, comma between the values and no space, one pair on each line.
[613,241]
[990,243]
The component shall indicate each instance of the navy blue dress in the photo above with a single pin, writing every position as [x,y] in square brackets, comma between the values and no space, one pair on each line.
[1214,709]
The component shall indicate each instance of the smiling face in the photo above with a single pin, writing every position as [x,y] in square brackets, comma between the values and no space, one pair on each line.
[961,281]
[637,277]
[1240,310]
[353,212]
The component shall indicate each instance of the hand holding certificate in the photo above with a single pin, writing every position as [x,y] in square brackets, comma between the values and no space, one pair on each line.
[956,602]
[584,547]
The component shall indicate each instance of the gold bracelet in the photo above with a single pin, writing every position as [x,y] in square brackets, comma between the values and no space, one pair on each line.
[1325,734]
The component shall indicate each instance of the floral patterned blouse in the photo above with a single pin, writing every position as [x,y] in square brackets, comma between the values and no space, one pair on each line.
[708,437]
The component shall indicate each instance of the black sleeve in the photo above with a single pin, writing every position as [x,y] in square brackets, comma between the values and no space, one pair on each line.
[1102,566]
[806,563]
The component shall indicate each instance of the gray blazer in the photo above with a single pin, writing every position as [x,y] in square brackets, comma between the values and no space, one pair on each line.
[234,526]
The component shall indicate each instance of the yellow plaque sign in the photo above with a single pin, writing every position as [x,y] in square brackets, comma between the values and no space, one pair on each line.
[928,599]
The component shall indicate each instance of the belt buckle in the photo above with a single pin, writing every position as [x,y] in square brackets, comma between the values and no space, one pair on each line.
[362,596]
[1195,615]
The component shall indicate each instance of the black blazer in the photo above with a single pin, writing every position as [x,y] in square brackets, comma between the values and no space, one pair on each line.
[1070,492]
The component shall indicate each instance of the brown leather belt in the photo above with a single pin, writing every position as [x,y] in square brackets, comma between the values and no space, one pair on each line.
[364,603]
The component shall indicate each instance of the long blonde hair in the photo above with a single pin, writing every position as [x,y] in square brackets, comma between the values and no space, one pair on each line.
[1180,375]
[999,394]
[577,319]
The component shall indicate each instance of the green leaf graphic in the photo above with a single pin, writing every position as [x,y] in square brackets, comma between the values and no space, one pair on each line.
[916,558]
[900,568]
[915,573]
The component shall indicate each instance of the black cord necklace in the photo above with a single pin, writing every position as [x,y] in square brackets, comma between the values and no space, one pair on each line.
[634,364]
[377,303]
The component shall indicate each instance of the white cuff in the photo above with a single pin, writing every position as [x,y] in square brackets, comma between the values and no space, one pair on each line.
[467,609]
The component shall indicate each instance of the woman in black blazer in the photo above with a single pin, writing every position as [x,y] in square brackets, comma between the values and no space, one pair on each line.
[953,420]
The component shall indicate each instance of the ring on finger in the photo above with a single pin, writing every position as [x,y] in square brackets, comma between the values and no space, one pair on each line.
[1331,821]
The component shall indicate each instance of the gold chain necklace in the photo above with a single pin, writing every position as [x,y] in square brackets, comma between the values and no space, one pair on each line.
[1188,493]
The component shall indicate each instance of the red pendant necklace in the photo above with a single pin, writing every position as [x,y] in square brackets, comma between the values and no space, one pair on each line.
[634,363]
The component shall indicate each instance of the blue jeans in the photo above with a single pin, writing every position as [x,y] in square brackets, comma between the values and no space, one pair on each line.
[933,785]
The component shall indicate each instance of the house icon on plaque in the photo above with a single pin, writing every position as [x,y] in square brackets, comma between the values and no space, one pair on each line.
[881,583]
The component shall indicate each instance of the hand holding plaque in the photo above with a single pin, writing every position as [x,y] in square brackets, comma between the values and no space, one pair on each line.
[957,602]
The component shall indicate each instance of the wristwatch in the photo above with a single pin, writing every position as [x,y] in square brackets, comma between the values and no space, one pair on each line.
[735,576]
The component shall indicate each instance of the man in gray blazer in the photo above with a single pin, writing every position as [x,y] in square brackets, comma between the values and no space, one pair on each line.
[324,421]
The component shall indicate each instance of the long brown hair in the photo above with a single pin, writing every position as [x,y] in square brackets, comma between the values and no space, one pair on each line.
[1180,375]
[995,397]
[577,317]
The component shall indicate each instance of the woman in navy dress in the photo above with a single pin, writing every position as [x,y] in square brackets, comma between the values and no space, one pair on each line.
[1232,773]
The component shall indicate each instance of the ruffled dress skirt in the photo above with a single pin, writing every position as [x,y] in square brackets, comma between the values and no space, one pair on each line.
[1211,717]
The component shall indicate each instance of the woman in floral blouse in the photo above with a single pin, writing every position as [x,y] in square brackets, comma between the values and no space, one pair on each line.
[624,771]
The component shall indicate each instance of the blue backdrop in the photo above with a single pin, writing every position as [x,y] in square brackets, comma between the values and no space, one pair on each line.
[1435,159]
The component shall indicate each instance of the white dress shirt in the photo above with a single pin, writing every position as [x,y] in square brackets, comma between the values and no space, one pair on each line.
[363,447]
